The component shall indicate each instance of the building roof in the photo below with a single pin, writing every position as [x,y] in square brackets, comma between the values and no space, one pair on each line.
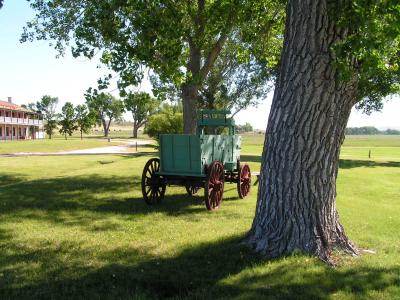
[12,106]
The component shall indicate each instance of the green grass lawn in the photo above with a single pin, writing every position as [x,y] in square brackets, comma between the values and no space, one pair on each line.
[77,227]
[54,145]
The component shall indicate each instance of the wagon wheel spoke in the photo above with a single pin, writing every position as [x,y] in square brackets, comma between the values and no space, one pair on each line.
[214,185]
[153,187]
[244,181]
[148,191]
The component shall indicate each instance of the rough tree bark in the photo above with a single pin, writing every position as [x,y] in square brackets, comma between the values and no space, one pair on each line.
[296,208]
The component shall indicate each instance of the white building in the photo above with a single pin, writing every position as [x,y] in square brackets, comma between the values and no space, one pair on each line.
[18,123]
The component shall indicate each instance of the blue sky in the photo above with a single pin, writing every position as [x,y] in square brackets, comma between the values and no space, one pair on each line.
[31,70]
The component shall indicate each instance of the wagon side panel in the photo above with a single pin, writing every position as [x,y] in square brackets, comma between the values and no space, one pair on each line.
[180,154]
[236,146]
[225,149]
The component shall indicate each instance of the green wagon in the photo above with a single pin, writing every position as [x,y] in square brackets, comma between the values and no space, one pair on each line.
[198,160]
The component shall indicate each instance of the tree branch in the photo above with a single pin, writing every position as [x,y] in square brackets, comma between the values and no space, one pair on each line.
[142,123]
[212,56]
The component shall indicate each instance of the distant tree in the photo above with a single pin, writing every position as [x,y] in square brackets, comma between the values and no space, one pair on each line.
[168,120]
[84,119]
[49,127]
[47,108]
[244,128]
[30,106]
[369,130]
[392,132]
[1,3]
[141,105]
[67,120]
[167,108]
[366,130]
[106,107]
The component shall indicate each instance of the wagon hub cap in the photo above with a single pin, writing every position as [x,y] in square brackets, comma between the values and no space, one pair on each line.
[217,186]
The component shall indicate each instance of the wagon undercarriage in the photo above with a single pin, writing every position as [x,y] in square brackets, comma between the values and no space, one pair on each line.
[154,183]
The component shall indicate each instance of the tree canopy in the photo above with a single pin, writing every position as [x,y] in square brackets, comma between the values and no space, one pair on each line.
[67,120]
[105,107]
[47,108]
[370,50]
[179,42]
[84,119]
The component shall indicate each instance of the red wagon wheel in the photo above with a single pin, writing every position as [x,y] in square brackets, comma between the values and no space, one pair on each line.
[192,189]
[153,186]
[244,181]
[214,187]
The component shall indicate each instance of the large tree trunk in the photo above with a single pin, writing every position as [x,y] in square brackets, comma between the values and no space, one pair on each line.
[296,208]
[189,97]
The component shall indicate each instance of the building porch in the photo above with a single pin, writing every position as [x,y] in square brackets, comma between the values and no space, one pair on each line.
[19,132]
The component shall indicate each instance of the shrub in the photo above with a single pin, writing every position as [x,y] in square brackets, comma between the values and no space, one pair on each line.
[164,123]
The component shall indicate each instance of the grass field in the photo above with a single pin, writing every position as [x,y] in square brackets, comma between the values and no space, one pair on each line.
[118,134]
[54,145]
[77,227]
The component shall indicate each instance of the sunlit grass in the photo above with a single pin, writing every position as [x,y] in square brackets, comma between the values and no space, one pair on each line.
[54,145]
[77,227]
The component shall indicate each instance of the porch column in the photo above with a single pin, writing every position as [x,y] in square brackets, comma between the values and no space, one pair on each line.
[4,116]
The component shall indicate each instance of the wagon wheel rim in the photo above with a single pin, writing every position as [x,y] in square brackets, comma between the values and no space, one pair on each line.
[192,189]
[244,181]
[214,186]
[153,187]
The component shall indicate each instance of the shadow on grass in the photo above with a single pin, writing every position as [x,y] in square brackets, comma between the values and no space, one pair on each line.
[6,179]
[221,269]
[250,158]
[349,163]
[73,200]
[150,146]
[343,163]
